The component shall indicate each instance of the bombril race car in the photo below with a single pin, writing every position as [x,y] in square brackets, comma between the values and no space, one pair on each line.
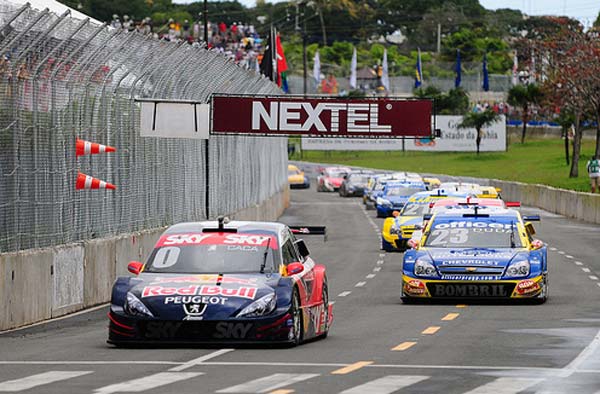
[235,282]
[475,253]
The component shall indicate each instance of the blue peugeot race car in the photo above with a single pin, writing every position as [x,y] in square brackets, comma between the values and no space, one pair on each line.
[476,253]
[234,282]
[395,195]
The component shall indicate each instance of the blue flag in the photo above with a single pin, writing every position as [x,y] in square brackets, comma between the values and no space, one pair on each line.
[486,77]
[418,71]
[458,70]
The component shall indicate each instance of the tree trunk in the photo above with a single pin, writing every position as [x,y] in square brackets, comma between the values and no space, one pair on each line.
[597,152]
[478,140]
[525,113]
[567,145]
[574,173]
[322,26]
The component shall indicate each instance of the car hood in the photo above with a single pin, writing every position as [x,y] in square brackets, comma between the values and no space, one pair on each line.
[334,181]
[396,199]
[201,297]
[409,220]
[449,259]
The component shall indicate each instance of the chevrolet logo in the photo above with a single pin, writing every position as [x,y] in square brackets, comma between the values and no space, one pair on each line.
[471,269]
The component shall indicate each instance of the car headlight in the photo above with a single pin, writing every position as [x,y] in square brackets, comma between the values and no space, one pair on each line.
[425,268]
[384,202]
[133,306]
[262,306]
[395,230]
[517,269]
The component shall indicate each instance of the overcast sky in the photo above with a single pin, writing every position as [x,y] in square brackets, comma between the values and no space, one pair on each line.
[584,10]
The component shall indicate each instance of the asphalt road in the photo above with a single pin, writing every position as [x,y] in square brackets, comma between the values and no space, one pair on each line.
[377,344]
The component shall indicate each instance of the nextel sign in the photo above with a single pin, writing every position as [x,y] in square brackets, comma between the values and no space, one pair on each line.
[285,115]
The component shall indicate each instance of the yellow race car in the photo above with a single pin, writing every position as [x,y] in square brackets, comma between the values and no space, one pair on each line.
[489,192]
[296,178]
[432,183]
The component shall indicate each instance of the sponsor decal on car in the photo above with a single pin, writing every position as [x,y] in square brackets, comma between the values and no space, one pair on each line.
[194,310]
[225,330]
[217,239]
[469,290]
[209,300]
[462,262]
[205,290]
[205,279]
[471,277]
[470,224]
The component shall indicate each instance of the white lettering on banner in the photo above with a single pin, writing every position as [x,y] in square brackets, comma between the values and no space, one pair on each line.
[284,116]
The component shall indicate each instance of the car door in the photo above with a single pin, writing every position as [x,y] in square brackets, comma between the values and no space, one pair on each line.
[306,277]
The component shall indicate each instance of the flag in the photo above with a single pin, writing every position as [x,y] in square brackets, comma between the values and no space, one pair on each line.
[458,70]
[515,70]
[266,64]
[353,70]
[418,71]
[281,66]
[486,77]
[385,76]
[317,67]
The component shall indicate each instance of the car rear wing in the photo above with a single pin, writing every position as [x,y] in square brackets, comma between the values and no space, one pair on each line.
[512,204]
[310,230]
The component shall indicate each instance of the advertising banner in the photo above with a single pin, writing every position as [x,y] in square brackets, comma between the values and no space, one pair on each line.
[322,117]
[453,139]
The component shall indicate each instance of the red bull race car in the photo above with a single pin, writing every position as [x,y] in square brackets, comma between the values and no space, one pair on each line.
[236,282]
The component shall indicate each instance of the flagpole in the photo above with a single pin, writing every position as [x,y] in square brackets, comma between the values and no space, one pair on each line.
[304,50]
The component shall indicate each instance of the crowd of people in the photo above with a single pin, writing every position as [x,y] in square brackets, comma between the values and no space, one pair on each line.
[238,41]
[501,107]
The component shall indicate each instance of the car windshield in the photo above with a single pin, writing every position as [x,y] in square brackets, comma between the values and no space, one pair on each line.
[358,178]
[477,232]
[415,209]
[402,191]
[206,253]
[336,173]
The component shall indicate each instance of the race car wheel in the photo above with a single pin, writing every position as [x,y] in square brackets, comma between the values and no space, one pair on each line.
[543,297]
[297,325]
[325,298]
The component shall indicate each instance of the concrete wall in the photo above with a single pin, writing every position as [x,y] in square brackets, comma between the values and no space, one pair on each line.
[39,284]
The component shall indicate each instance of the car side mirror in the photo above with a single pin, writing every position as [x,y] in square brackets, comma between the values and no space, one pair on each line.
[295,268]
[135,267]
[302,248]
[412,243]
[395,214]
[529,227]
[536,244]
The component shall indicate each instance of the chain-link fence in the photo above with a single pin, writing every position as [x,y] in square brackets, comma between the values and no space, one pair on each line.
[62,79]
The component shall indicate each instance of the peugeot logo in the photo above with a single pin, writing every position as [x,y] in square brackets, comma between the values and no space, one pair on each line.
[194,311]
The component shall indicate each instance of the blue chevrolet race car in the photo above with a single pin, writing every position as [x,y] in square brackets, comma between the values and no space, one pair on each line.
[238,282]
[477,252]
[395,195]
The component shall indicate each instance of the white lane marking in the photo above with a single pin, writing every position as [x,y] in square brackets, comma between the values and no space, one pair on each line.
[269,383]
[510,385]
[569,256]
[593,277]
[331,302]
[586,270]
[588,351]
[200,359]
[376,269]
[386,385]
[31,381]
[380,262]
[598,284]
[360,284]
[561,252]
[147,382]
[381,254]
[370,276]
[578,263]
[553,249]
[57,318]
[344,293]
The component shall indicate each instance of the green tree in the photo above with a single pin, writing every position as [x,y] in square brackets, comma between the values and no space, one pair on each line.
[524,96]
[479,120]
[566,119]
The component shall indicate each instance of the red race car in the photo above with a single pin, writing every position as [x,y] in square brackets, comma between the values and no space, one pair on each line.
[330,178]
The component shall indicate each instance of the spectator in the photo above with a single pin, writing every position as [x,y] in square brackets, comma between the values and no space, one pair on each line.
[329,85]
[593,169]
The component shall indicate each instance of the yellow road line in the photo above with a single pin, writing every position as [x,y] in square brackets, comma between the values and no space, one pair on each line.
[461,306]
[431,330]
[282,391]
[404,346]
[351,368]
[450,316]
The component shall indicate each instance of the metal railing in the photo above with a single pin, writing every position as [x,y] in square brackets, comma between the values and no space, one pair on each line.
[62,79]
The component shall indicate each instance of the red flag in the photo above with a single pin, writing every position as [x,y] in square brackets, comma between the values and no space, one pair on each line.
[281,62]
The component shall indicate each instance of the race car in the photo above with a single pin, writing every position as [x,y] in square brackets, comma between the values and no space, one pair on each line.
[399,229]
[461,187]
[296,178]
[213,281]
[376,186]
[477,252]
[354,183]
[470,202]
[395,195]
[431,183]
[489,192]
[331,178]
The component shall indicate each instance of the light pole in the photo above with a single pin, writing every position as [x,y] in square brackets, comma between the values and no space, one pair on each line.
[206,22]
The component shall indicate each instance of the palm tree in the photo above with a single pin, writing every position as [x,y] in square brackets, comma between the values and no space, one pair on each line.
[524,96]
[479,120]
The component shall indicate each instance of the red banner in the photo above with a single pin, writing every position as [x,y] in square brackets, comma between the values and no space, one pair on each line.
[322,117]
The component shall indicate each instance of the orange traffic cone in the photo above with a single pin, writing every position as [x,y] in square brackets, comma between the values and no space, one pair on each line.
[83,147]
[88,182]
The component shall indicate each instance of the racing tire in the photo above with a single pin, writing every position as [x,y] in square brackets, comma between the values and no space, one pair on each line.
[325,298]
[297,323]
[544,296]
